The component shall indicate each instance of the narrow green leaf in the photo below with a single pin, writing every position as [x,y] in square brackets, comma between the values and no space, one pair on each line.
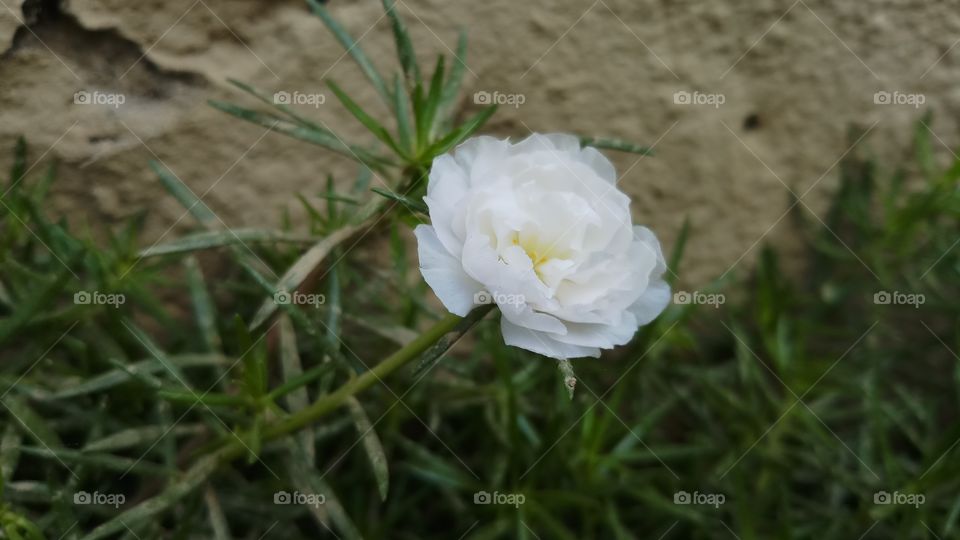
[609,143]
[285,109]
[141,437]
[44,297]
[924,148]
[371,445]
[292,388]
[452,88]
[184,195]
[9,453]
[254,358]
[306,265]
[32,424]
[435,353]
[155,350]
[412,205]
[211,399]
[109,462]
[435,469]
[360,183]
[305,476]
[325,139]
[215,239]
[173,493]
[115,377]
[368,121]
[218,521]
[408,58]
[401,104]
[204,311]
[461,133]
[677,254]
[425,121]
[353,49]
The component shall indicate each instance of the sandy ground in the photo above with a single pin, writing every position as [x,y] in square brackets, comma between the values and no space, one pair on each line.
[774,89]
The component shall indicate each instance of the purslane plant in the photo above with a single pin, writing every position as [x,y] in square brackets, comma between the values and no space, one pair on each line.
[573,277]
[622,264]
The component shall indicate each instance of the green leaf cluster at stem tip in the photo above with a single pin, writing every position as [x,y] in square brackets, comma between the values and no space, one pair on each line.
[425,118]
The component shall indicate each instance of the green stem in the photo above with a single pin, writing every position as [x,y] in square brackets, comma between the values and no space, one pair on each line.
[434,342]
[393,362]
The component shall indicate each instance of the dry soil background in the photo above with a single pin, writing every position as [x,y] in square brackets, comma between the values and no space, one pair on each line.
[794,77]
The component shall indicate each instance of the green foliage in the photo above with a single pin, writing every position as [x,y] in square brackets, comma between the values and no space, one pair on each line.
[173,387]
[798,401]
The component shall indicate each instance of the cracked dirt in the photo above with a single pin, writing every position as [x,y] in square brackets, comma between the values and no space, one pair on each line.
[795,77]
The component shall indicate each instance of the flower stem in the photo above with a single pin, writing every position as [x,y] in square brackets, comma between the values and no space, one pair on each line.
[451,324]
[435,341]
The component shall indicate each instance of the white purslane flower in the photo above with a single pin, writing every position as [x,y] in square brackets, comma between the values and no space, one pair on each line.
[540,228]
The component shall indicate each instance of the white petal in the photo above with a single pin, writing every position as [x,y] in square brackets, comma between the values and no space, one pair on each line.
[444,273]
[656,297]
[538,142]
[525,316]
[480,157]
[569,145]
[599,163]
[605,336]
[649,240]
[652,303]
[542,343]
[446,193]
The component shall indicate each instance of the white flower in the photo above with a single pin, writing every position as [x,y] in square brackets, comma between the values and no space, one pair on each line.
[540,228]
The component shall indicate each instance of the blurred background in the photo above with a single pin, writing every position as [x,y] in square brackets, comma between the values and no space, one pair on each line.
[804,383]
[788,79]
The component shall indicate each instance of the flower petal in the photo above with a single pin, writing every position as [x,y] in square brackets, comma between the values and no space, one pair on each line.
[444,273]
[653,301]
[542,342]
